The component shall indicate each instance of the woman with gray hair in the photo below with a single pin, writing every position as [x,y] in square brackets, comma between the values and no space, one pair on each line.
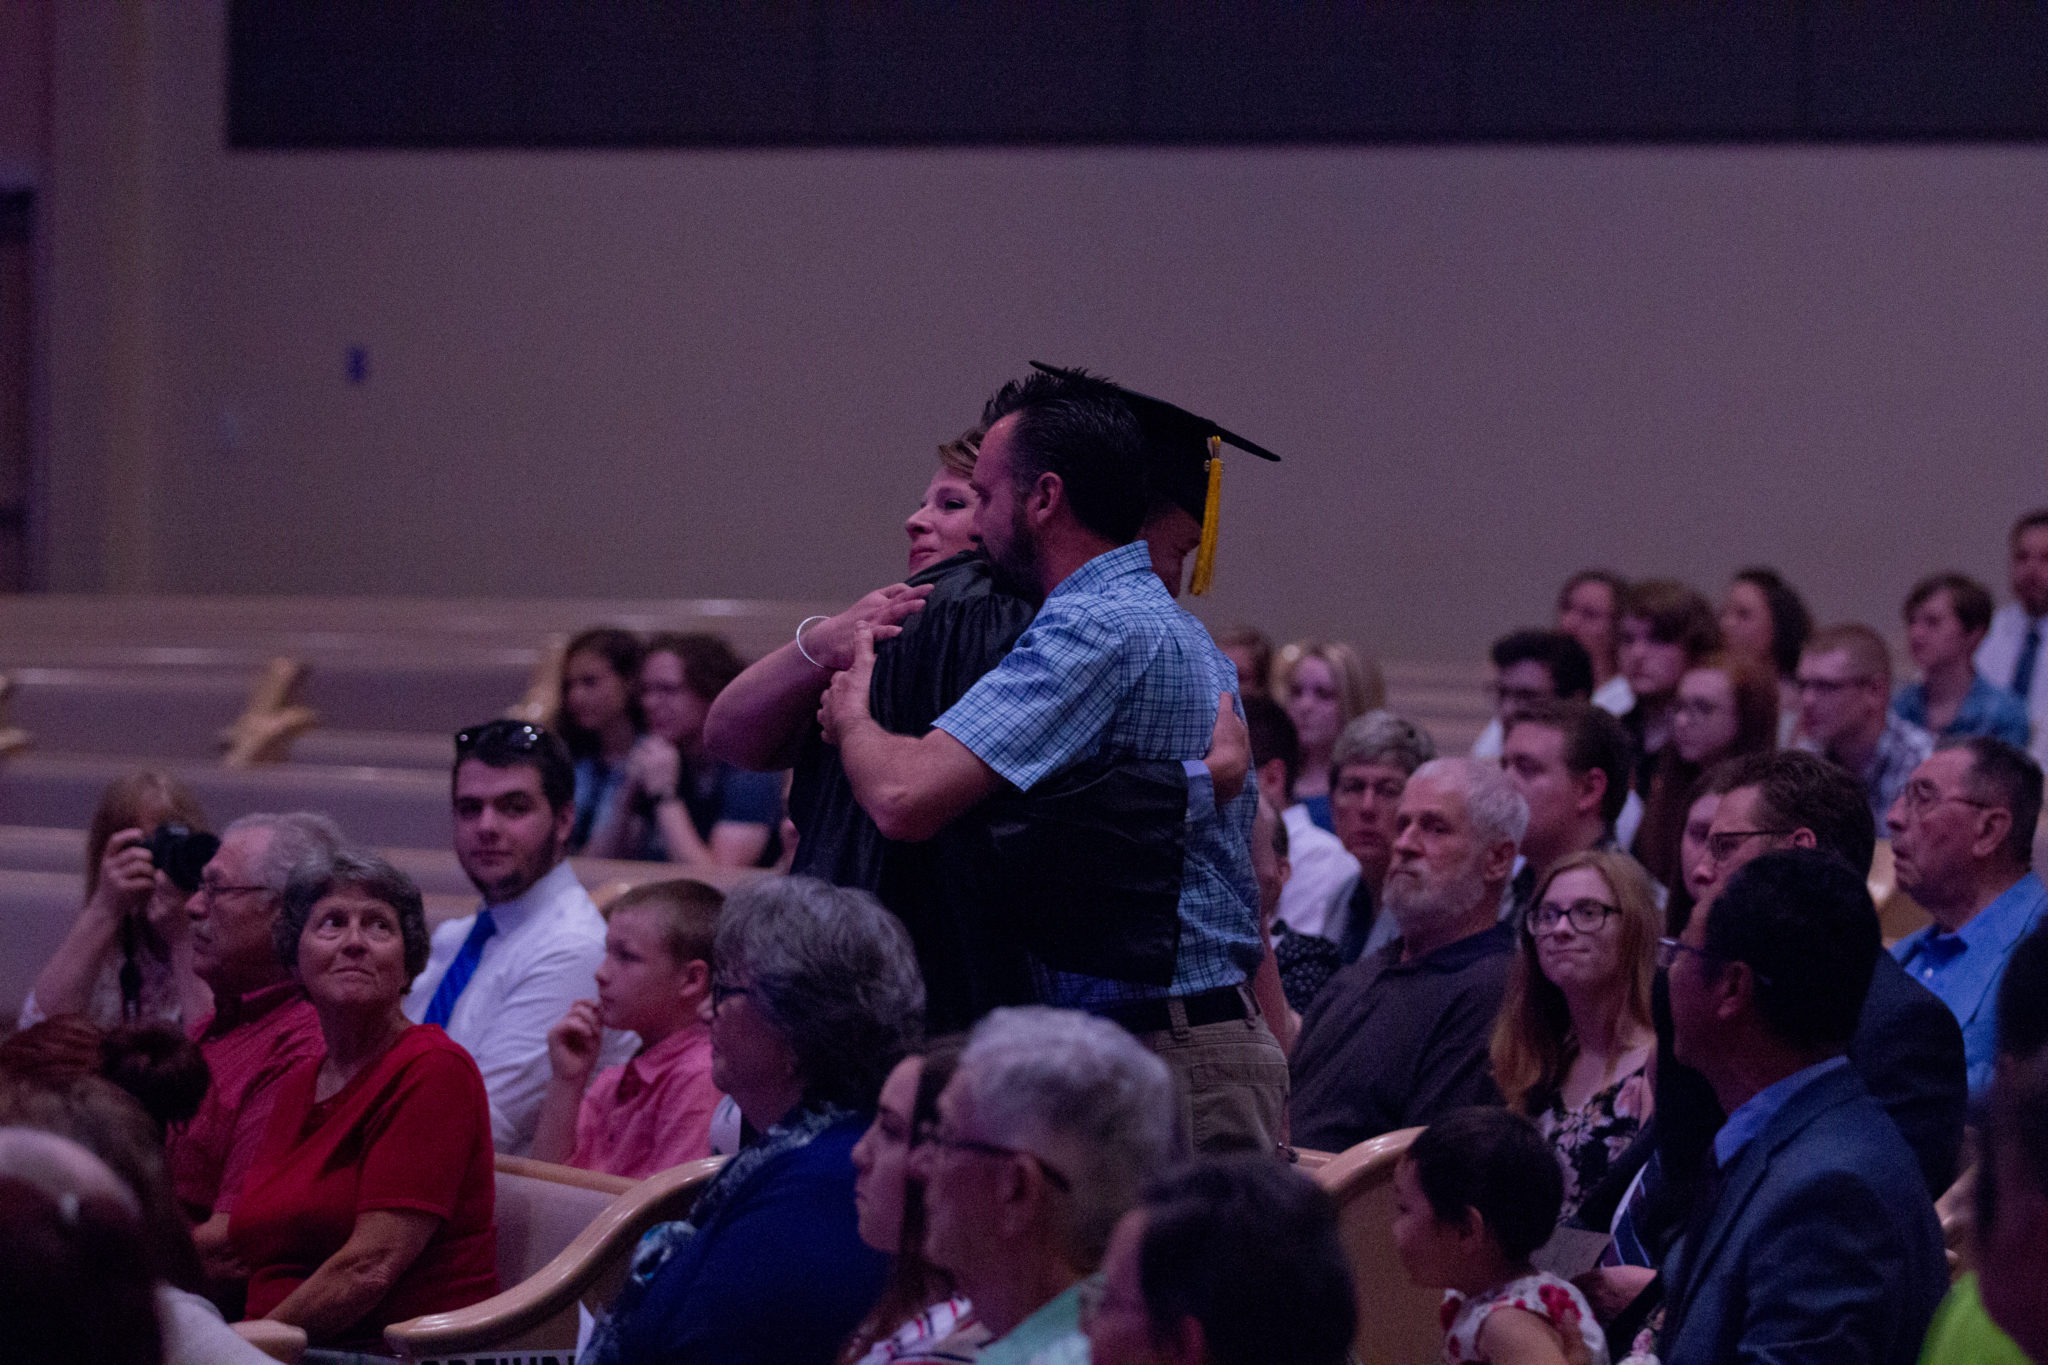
[815,996]
[370,1198]
[1370,766]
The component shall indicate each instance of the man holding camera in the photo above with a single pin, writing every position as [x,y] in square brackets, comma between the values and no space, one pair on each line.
[261,1023]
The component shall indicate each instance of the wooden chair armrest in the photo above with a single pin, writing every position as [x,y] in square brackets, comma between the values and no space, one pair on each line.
[278,1340]
[602,1181]
[1367,1163]
[608,1240]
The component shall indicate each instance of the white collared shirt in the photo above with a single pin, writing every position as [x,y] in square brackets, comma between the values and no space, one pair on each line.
[542,959]
[1321,871]
[1999,655]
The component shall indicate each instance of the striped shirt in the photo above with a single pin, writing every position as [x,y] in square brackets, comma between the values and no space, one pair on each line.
[1112,667]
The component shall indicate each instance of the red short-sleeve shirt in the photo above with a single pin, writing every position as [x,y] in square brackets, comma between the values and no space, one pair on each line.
[410,1131]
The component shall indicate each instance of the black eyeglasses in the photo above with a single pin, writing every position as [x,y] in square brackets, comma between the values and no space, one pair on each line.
[721,992]
[515,735]
[1669,949]
[1721,846]
[947,1142]
[1585,915]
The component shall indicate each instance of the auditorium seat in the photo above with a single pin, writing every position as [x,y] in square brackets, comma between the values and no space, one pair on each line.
[537,1314]
[1397,1321]
[278,1340]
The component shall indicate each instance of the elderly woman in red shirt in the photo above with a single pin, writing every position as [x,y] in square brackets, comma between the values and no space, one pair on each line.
[370,1199]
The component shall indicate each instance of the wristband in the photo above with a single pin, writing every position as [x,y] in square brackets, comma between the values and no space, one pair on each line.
[800,641]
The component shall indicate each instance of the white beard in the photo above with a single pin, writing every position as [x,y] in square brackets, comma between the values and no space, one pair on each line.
[1419,908]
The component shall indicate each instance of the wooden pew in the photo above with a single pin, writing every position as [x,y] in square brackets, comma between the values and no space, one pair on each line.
[1397,1321]
[538,1314]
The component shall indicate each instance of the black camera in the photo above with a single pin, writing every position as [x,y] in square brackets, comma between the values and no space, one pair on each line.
[181,853]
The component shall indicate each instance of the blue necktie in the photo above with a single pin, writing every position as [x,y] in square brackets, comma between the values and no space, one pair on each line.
[2023,671]
[461,969]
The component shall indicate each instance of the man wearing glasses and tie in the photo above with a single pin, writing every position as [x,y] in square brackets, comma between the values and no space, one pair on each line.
[499,979]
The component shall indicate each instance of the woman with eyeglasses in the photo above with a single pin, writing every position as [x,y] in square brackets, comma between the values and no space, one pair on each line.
[921,1306]
[1573,1044]
[1726,706]
[815,998]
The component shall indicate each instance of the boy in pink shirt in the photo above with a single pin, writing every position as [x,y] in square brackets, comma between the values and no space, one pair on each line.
[655,1111]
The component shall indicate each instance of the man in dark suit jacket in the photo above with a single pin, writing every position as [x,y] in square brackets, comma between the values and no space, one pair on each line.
[1813,1230]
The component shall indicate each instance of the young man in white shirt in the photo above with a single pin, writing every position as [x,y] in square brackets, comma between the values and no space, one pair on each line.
[2010,656]
[499,979]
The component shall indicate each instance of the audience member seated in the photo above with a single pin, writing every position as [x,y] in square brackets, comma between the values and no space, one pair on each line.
[1319,868]
[1845,688]
[1047,1134]
[1814,1224]
[919,1306]
[1531,666]
[127,958]
[2013,1217]
[76,1286]
[159,1068]
[498,980]
[681,805]
[1907,1046]
[1666,628]
[653,1112]
[1962,847]
[1571,762]
[261,1027]
[1231,1261]
[1399,1037]
[1589,610]
[125,1143]
[1963,1331]
[1324,686]
[370,1200]
[1947,618]
[1249,649]
[601,722]
[1474,1198]
[1297,966]
[1695,867]
[2011,653]
[1764,617]
[1373,760]
[943,524]
[815,997]
[1727,706]
[1573,1044]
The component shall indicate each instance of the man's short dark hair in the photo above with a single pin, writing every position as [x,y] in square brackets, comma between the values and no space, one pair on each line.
[1486,1159]
[516,744]
[1799,790]
[1593,738]
[1248,1248]
[1571,668]
[2008,777]
[1273,735]
[1970,599]
[1076,427]
[2027,522]
[2023,997]
[1805,925]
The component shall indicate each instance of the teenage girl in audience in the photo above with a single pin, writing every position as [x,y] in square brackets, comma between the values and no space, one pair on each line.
[1764,617]
[600,720]
[1574,1040]
[1666,628]
[1249,649]
[1476,1195]
[679,804]
[1726,707]
[943,524]
[1947,617]
[1324,686]
[128,955]
[1589,610]
[919,1307]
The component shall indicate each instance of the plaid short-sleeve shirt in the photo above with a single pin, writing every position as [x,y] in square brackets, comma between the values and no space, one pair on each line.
[1112,667]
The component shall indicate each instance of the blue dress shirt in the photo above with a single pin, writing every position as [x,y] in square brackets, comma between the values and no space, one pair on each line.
[1986,710]
[1964,968]
[1759,1109]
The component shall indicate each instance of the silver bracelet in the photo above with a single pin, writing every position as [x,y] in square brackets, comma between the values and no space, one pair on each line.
[800,641]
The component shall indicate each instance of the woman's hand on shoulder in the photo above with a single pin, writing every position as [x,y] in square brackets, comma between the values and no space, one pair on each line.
[830,642]
[574,1042]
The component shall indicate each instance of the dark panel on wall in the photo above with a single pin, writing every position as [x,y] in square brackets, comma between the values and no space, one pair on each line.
[562,73]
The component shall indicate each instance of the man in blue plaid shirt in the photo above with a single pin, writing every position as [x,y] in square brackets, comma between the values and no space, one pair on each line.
[1110,670]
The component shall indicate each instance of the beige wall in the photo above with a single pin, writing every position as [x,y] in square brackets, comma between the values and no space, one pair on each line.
[723,373]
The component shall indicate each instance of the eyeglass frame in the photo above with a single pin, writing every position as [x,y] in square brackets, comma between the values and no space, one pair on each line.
[939,1140]
[1668,950]
[1741,837]
[1918,805]
[1568,913]
[215,890]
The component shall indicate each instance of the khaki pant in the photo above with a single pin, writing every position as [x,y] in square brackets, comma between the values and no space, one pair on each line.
[1232,1079]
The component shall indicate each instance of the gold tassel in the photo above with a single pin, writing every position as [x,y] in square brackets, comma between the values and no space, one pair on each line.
[1205,553]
